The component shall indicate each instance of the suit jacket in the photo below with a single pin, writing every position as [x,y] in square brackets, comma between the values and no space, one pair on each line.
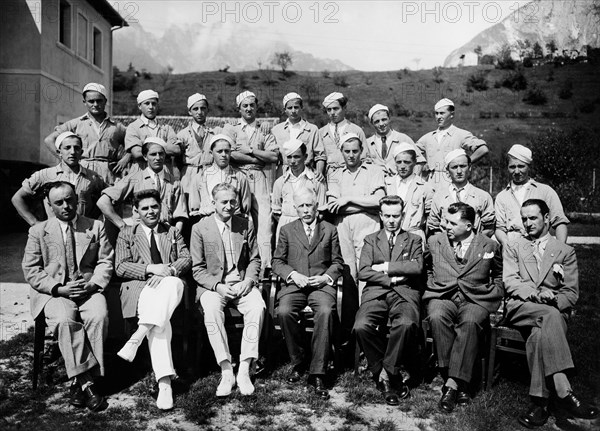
[208,253]
[406,260]
[395,138]
[321,257]
[480,279]
[418,202]
[522,278]
[44,263]
[133,256]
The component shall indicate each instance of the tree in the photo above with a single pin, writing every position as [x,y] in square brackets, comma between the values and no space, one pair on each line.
[164,78]
[538,52]
[523,47]
[283,60]
[505,60]
[551,47]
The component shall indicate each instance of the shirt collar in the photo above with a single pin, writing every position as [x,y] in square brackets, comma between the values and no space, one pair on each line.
[449,130]
[362,166]
[466,188]
[87,116]
[196,127]
[305,173]
[300,124]
[146,120]
[63,224]
[60,168]
[244,123]
[150,173]
[147,230]
[221,225]
[465,243]
[312,226]
[407,180]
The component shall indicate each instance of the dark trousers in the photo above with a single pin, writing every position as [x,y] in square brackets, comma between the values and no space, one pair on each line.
[323,307]
[402,346]
[456,326]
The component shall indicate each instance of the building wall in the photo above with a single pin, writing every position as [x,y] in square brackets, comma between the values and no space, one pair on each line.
[42,78]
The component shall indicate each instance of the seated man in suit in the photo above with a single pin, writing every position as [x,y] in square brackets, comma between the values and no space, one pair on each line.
[150,257]
[68,261]
[542,285]
[464,285]
[309,260]
[391,264]
[226,265]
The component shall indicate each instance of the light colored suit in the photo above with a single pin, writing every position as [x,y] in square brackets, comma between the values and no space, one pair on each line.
[547,347]
[394,139]
[460,296]
[322,256]
[383,300]
[44,267]
[154,305]
[209,262]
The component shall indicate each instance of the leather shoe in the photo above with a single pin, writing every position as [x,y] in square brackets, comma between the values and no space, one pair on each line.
[573,407]
[76,395]
[320,389]
[462,398]
[295,375]
[389,395]
[94,399]
[536,416]
[448,401]
[400,387]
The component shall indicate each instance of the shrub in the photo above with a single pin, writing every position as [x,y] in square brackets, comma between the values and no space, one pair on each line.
[477,81]
[437,75]
[340,81]
[242,81]
[505,60]
[527,62]
[230,80]
[515,81]
[488,59]
[535,96]
[566,90]
[326,74]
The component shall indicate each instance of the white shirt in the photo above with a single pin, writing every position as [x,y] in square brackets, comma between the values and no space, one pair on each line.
[455,190]
[249,128]
[464,245]
[402,186]
[441,133]
[295,129]
[341,127]
[63,227]
[388,141]
[152,125]
[519,190]
[154,176]
[148,232]
[198,128]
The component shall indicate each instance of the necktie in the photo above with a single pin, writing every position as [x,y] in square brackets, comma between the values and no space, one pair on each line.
[384,148]
[458,250]
[336,135]
[391,242]
[70,252]
[458,199]
[309,234]
[154,253]
[537,253]
[157,182]
[229,256]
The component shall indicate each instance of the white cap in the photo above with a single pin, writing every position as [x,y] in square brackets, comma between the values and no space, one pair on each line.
[155,140]
[521,153]
[194,98]
[333,97]
[60,138]
[403,147]
[290,96]
[92,86]
[453,155]
[377,108]
[219,137]
[145,95]
[244,95]
[347,137]
[291,146]
[443,102]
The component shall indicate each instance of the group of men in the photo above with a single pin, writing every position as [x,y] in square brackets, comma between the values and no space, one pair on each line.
[415,234]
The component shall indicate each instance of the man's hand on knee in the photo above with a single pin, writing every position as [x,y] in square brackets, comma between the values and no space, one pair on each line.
[226,291]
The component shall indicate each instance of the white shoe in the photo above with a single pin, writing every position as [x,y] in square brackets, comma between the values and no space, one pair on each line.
[245,384]
[129,350]
[226,385]
[165,398]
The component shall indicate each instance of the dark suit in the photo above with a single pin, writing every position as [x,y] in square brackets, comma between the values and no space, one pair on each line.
[133,256]
[547,347]
[321,257]
[460,295]
[82,323]
[382,300]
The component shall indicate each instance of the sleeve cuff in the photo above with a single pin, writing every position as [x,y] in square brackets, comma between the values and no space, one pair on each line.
[54,291]
[289,277]
[330,282]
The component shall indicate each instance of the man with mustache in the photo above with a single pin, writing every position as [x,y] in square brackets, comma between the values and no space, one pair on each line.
[542,286]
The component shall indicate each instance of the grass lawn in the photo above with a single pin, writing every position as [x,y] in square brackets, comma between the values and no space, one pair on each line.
[354,404]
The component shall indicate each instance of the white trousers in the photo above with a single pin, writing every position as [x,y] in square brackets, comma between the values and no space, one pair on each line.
[155,307]
[252,308]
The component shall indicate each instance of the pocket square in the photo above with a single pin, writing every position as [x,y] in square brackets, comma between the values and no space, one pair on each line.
[488,255]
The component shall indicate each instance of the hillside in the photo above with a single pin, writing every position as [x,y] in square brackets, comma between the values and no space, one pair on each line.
[498,115]
[571,24]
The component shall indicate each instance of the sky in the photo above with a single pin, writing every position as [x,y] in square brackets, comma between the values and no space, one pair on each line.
[366,35]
